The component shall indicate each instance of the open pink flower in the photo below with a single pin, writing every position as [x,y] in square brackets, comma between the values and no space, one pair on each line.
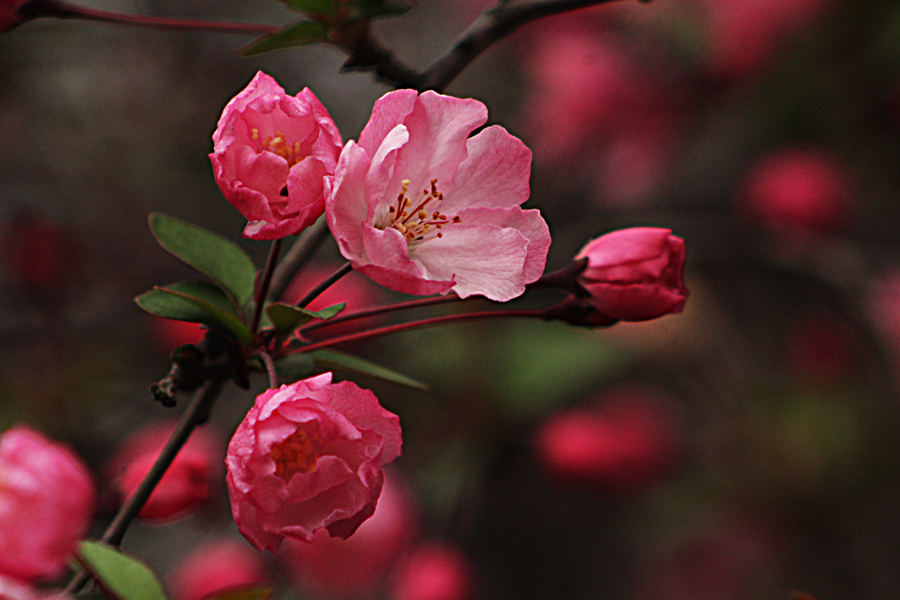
[308,456]
[422,208]
[635,274]
[270,156]
[187,485]
[46,502]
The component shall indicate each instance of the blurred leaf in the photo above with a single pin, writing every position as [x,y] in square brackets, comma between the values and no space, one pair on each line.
[354,364]
[190,302]
[298,34]
[123,577]
[294,367]
[314,7]
[216,257]
[256,593]
[383,8]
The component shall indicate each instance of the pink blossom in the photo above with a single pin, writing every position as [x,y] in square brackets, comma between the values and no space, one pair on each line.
[217,567]
[355,567]
[39,255]
[422,208]
[270,156]
[308,456]
[793,188]
[13,589]
[624,445]
[8,13]
[433,571]
[46,501]
[189,482]
[635,274]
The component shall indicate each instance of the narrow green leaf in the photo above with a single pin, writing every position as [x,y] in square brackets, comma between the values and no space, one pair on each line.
[299,34]
[285,318]
[313,7]
[122,576]
[209,292]
[219,259]
[294,367]
[338,360]
[173,303]
[331,311]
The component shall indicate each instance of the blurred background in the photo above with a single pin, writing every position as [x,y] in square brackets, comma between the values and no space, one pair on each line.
[745,449]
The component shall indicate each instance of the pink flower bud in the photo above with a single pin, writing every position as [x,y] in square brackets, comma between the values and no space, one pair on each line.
[217,567]
[433,572]
[635,274]
[308,456]
[188,483]
[46,500]
[797,188]
[271,154]
[355,567]
[623,446]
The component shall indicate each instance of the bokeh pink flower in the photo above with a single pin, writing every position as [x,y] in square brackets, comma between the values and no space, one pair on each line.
[797,188]
[46,503]
[433,571]
[189,483]
[635,274]
[308,456]
[422,208]
[223,565]
[625,443]
[358,566]
[8,16]
[271,153]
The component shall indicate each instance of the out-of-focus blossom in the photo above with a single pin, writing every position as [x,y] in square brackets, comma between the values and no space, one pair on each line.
[422,208]
[37,254]
[8,13]
[624,445]
[189,482]
[820,349]
[271,154]
[741,35]
[357,567]
[797,188]
[14,589]
[169,333]
[635,274]
[433,571]
[308,456]
[355,292]
[217,567]
[46,502]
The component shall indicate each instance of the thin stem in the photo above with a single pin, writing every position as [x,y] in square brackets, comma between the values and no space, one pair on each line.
[297,257]
[65,10]
[494,25]
[263,289]
[195,414]
[324,285]
[381,310]
[270,368]
[431,322]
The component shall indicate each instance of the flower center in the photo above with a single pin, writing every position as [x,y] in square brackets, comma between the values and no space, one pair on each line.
[297,454]
[417,224]
[279,145]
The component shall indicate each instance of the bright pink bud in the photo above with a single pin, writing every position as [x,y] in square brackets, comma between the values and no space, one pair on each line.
[635,274]
[433,572]
[271,154]
[625,445]
[217,567]
[801,188]
[188,483]
[308,456]
[357,566]
[46,501]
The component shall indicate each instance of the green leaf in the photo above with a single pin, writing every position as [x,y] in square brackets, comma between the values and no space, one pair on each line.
[124,577]
[255,593]
[331,311]
[181,302]
[299,34]
[313,7]
[286,318]
[294,367]
[347,362]
[219,259]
